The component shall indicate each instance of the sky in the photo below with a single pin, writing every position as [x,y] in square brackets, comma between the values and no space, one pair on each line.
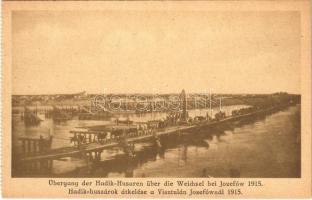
[155,52]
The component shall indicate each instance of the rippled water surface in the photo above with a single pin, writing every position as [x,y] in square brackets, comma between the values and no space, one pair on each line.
[262,147]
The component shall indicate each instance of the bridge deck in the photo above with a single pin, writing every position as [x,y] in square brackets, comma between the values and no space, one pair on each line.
[92,147]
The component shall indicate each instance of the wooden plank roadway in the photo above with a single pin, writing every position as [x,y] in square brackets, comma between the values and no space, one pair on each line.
[91,147]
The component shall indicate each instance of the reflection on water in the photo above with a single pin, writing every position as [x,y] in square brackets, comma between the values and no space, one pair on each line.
[60,131]
[260,147]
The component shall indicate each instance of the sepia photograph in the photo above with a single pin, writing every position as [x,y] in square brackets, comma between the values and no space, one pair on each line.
[157,90]
[169,98]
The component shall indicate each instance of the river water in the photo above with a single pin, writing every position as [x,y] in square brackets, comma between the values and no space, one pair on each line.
[261,147]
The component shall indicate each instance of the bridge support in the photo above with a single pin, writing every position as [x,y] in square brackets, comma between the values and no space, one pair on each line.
[94,156]
[32,146]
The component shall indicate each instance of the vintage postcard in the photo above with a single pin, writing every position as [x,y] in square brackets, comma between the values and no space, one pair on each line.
[156,99]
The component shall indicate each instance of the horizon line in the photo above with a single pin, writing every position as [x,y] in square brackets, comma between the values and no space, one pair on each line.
[162,93]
